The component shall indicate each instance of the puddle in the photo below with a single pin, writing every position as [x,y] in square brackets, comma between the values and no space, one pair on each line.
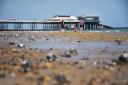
[85,48]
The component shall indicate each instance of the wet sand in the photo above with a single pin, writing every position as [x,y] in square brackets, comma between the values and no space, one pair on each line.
[90,65]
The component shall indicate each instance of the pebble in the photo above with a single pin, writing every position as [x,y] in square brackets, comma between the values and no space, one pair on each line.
[26,66]
[11,43]
[20,45]
[51,57]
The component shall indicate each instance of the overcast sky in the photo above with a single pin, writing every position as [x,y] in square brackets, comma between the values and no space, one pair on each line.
[111,12]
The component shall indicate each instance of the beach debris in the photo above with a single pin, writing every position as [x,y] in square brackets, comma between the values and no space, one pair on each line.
[26,66]
[118,41]
[51,57]
[20,45]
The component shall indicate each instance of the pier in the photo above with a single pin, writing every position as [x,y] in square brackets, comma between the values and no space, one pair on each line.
[90,22]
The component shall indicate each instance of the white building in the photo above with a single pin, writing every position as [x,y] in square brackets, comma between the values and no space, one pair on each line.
[66,18]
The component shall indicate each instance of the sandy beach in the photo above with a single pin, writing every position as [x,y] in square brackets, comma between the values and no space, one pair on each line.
[86,58]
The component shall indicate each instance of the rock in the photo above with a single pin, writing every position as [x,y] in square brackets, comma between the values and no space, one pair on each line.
[20,45]
[11,43]
[47,39]
[51,57]
[26,66]
[73,51]
[79,41]
[123,58]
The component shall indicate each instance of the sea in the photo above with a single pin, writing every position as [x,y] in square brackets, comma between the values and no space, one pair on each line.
[116,29]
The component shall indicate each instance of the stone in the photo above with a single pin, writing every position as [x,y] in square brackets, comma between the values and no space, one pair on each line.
[26,66]
[73,51]
[51,57]
[79,41]
[123,58]
[20,45]
[11,43]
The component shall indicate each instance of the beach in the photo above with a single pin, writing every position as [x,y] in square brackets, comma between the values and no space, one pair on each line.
[86,58]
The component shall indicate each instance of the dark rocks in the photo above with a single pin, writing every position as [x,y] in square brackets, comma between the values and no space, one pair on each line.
[26,66]
[73,51]
[123,58]
[51,57]
[79,41]
[47,39]
[11,43]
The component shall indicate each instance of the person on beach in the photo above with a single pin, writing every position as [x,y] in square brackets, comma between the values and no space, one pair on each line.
[81,25]
[62,26]
[73,27]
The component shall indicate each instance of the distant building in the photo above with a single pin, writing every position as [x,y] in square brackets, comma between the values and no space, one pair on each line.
[66,18]
[67,21]
[90,22]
